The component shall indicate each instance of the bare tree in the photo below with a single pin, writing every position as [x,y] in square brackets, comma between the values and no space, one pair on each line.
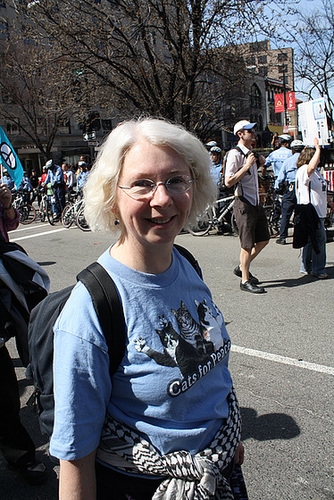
[314,61]
[34,100]
[161,57]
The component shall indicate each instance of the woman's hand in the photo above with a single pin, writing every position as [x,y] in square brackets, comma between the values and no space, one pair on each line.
[5,196]
[315,158]
[239,454]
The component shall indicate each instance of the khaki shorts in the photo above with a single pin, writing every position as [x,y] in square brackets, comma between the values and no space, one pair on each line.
[252,223]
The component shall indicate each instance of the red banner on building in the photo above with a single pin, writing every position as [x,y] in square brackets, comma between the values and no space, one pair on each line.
[279,103]
[291,101]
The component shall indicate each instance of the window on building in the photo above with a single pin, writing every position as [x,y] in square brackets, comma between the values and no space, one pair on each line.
[282,57]
[106,125]
[250,61]
[255,97]
[282,68]
[93,122]
[262,59]
[12,128]
[263,71]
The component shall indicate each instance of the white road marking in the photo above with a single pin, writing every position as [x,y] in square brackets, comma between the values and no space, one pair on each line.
[29,227]
[45,233]
[283,359]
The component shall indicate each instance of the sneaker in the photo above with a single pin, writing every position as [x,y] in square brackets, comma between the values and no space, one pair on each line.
[32,472]
[253,279]
[321,276]
[280,242]
[251,287]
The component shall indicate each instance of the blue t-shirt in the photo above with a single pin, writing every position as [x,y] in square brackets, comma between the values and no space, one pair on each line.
[173,381]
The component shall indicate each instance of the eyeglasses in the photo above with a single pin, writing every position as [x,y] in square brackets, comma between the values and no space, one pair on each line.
[250,131]
[144,188]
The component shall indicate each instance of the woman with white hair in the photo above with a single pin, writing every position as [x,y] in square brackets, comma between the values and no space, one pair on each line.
[169,416]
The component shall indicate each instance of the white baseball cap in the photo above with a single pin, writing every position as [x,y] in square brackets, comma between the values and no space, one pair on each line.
[243,125]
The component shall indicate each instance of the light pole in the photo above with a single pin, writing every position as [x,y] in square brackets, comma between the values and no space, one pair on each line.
[284,100]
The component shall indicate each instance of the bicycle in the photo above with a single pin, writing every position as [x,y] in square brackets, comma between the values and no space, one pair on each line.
[69,214]
[272,207]
[27,211]
[81,220]
[45,210]
[219,215]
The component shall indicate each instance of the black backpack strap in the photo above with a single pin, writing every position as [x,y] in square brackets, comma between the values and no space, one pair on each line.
[190,258]
[109,310]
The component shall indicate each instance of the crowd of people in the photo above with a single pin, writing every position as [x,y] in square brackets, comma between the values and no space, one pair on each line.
[241,169]
[61,183]
[169,417]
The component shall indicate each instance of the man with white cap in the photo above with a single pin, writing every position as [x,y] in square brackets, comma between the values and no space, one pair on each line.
[241,172]
[286,181]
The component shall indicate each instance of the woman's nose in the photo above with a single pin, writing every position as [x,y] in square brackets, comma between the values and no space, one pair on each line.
[161,194]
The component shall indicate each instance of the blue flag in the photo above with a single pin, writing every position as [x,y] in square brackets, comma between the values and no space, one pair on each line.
[9,159]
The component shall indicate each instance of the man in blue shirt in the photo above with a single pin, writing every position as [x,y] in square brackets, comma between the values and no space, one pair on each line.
[8,180]
[277,157]
[56,178]
[286,181]
[82,177]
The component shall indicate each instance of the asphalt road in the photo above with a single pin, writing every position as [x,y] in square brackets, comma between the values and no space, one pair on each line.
[281,362]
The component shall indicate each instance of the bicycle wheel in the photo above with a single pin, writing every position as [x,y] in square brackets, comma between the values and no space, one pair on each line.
[81,221]
[49,214]
[41,213]
[272,225]
[68,216]
[202,225]
[27,214]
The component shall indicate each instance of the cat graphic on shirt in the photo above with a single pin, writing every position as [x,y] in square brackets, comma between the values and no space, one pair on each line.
[177,351]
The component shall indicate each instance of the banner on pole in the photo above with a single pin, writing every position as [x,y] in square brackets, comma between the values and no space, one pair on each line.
[291,101]
[9,159]
[279,103]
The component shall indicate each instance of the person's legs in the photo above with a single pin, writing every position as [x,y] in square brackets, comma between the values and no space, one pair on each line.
[16,442]
[57,205]
[257,248]
[245,260]
[288,204]
[318,263]
[306,259]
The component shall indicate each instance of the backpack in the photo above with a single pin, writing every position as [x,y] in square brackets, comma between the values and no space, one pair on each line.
[109,311]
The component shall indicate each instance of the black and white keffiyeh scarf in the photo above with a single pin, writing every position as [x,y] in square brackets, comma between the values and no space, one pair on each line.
[196,477]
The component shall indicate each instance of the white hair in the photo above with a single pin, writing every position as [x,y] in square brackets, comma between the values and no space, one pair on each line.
[101,186]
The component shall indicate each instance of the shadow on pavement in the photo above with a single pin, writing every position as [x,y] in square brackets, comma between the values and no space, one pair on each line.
[268,426]
[304,279]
